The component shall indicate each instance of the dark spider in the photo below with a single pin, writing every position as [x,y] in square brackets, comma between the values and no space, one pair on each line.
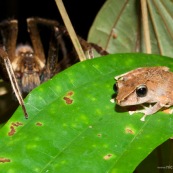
[30,65]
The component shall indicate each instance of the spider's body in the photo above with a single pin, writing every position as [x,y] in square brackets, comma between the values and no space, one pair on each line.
[27,67]
[29,63]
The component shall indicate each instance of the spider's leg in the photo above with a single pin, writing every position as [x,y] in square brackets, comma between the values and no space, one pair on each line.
[99,49]
[58,58]
[46,22]
[55,63]
[87,47]
[52,59]
[9,31]
[35,39]
[66,59]
[12,77]
[60,42]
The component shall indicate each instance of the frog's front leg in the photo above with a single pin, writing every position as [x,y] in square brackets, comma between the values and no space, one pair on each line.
[152,109]
[149,110]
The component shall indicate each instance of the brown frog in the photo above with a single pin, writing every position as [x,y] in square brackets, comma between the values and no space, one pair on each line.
[153,85]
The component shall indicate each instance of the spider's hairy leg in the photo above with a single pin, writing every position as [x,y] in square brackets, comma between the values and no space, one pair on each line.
[13,80]
[35,39]
[87,47]
[66,59]
[9,31]
[99,49]
[54,63]
[52,59]
[46,22]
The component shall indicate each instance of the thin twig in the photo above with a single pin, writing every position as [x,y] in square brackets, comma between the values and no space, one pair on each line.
[146,26]
[70,30]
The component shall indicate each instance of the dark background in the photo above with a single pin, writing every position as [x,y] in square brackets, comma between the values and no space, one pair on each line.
[81,12]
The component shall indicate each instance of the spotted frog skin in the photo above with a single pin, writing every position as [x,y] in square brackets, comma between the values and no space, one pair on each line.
[153,85]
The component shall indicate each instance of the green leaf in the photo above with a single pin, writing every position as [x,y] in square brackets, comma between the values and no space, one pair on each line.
[118,27]
[73,126]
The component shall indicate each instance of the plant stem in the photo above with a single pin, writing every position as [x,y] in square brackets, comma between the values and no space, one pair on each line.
[146,26]
[70,30]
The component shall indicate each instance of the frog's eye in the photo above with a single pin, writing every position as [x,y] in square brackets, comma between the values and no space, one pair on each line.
[115,87]
[141,91]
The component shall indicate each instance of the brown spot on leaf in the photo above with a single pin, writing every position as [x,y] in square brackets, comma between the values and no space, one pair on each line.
[4,160]
[12,131]
[13,128]
[99,135]
[39,124]
[128,130]
[70,93]
[114,36]
[107,157]
[17,124]
[68,98]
